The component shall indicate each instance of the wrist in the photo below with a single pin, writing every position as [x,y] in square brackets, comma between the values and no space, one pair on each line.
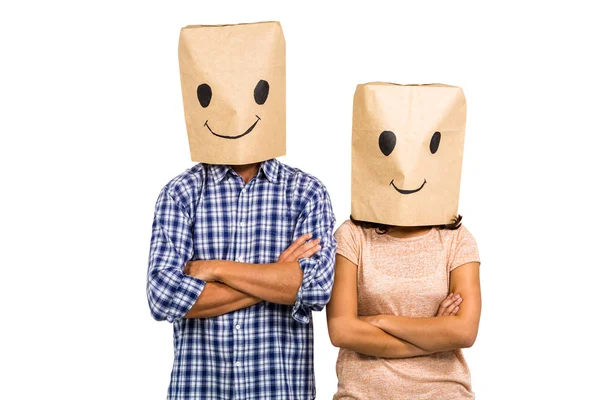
[379,321]
[206,270]
[216,269]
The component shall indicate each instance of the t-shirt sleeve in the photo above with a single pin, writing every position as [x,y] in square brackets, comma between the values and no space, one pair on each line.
[465,249]
[348,241]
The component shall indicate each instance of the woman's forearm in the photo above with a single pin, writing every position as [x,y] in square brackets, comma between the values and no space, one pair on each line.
[362,337]
[433,334]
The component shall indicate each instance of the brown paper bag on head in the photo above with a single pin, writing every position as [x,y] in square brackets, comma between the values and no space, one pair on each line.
[233,84]
[407,148]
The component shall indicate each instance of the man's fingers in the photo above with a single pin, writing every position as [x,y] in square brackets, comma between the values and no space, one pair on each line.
[287,253]
[310,252]
[454,311]
[310,246]
[305,248]
[302,239]
[300,248]
[299,242]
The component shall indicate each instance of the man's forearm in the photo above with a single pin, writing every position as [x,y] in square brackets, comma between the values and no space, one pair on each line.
[365,338]
[218,299]
[434,334]
[276,282]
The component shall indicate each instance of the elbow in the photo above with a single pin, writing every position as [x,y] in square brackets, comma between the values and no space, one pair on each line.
[336,334]
[289,298]
[467,339]
[157,314]
[157,311]
[336,338]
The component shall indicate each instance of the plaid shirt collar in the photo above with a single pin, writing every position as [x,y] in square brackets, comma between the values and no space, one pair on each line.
[268,169]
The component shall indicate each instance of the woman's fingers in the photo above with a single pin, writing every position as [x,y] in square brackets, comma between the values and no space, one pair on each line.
[453,308]
[445,303]
[449,304]
[442,307]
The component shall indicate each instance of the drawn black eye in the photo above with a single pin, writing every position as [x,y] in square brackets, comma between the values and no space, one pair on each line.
[387,142]
[204,93]
[435,142]
[261,92]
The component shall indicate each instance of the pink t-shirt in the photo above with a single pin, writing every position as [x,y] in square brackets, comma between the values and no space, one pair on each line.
[409,277]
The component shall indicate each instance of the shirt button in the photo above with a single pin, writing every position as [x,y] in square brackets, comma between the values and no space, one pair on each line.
[237,326]
[242,224]
[237,363]
[240,259]
[243,190]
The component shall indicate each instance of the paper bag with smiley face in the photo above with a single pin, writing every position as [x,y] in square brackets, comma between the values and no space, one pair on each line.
[233,84]
[407,148]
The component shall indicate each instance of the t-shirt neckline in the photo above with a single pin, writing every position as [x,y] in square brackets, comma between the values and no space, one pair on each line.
[411,239]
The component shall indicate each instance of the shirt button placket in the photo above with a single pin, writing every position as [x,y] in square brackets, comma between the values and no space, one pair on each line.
[238,373]
[238,338]
[238,370]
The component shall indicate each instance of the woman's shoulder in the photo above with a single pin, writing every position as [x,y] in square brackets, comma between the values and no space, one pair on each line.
[460,245]
[349,238]
[348,229]
[459,233]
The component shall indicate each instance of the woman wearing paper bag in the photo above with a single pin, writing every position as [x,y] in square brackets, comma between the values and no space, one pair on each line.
[406,296]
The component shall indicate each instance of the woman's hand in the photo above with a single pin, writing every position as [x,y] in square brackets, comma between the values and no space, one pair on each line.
[301,248]
[372,319]
[449,306]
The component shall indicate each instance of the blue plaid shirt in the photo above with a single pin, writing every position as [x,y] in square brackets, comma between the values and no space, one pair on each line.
[207,213]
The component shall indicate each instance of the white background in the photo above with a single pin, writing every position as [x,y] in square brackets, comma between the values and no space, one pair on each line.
[92,127]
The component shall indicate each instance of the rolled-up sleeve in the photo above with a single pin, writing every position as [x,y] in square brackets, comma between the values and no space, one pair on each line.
[171,293]
[315,291]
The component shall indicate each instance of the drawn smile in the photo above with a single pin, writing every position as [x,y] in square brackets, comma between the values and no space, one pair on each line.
[402,191]
[234,137]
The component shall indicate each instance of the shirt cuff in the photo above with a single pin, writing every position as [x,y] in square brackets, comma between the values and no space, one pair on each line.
[185,297]
[299,312]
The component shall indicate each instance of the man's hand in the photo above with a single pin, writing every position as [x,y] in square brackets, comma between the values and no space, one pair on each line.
[284,276]
[202,269]
[449,306]
[301,248]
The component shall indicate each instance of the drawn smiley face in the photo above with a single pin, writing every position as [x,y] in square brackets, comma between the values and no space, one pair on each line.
[387,144]
[205,94]
[407,148]
[233,89]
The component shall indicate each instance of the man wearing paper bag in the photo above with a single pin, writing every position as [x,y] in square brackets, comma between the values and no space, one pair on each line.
[406,296]
[242,247]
